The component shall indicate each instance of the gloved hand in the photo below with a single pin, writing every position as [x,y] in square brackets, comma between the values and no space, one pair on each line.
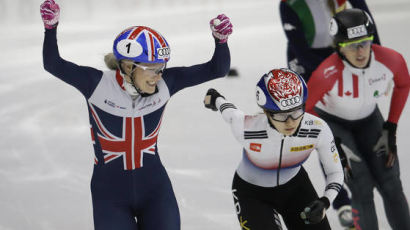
[210,99]
[50,13]
[387,143]
[221,27]
[346,156]
[316,211]
[296,66]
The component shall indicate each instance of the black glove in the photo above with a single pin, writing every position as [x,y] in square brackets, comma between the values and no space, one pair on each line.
[387,143]
[210,99]
[347,169]
[315,212]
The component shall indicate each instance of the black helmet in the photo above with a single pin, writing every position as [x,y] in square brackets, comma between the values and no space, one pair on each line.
[349,25]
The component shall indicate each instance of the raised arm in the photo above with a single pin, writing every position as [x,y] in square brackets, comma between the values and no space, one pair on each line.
[181,77]
[85,79]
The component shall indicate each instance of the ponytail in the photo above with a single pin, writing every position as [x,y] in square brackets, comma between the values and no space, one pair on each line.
[110,61]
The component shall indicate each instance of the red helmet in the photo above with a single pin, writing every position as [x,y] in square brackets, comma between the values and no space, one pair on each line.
[281,90]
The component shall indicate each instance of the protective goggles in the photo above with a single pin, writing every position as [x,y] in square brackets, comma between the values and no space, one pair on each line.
[354,45]
[157,71]
[284,116]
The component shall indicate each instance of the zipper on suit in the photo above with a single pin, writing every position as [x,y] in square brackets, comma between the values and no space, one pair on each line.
[280,160]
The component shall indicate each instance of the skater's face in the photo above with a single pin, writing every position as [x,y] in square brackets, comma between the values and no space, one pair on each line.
[357,52]
[289,126]
[145,75]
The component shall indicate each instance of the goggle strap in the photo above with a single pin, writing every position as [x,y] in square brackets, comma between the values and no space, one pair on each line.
[344,44]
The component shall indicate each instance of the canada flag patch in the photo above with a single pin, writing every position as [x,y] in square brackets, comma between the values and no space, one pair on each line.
[255,147]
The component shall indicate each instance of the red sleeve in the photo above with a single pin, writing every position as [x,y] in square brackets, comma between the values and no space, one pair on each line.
[322,80]
[396,63]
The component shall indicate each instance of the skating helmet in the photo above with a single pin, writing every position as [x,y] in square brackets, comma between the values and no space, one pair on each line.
[351,24]
[141,44]
[281,90]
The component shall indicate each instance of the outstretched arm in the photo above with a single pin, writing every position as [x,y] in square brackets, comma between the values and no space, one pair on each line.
[215,101]
[85,79]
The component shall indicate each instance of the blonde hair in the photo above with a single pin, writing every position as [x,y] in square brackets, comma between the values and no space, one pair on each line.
[111,62]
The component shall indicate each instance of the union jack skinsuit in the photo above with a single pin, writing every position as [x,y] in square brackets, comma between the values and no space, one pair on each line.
[129,180]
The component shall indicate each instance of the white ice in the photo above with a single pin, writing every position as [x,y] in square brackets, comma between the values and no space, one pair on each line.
[46,155]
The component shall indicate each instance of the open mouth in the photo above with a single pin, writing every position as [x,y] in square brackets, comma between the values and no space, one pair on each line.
[151,83]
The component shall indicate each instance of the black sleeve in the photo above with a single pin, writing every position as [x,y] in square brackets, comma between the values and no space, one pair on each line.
[85,79]
[296,37]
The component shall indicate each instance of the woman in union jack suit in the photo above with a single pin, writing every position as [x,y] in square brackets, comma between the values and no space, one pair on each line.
[125,106]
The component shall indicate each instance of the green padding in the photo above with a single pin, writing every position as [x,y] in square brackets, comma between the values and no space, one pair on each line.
[302,10]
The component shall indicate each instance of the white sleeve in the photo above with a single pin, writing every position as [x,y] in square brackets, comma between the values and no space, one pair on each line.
[232,116]
[329,157]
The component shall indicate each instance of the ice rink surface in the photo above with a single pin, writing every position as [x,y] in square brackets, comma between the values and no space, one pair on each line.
[46,155]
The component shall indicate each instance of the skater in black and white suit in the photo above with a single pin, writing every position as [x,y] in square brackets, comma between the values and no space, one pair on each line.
[270,179]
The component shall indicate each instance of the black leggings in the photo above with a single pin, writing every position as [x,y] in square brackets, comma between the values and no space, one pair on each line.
[258,207]
[370,172]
